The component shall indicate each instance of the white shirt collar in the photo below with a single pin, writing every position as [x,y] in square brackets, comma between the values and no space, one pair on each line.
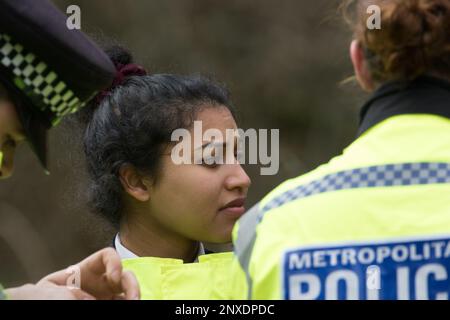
[124,253]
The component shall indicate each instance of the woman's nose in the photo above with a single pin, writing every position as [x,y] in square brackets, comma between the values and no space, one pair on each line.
[238,179]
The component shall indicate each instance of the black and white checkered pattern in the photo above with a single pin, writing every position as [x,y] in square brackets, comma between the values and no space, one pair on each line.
[29,71]
[389,175]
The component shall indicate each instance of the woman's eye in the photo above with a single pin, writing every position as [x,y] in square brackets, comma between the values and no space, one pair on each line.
[211,166]
[210,162]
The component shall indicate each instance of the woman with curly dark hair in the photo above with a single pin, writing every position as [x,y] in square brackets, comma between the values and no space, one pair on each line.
[164,210]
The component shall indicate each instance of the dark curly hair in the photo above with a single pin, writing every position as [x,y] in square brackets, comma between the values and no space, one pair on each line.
[133,125]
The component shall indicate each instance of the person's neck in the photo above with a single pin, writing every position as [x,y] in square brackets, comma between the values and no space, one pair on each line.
[147,238]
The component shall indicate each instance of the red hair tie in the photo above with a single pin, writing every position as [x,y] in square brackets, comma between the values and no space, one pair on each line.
[123,71]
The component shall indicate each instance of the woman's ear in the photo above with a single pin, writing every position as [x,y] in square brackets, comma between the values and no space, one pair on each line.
[362,72]
[134,183]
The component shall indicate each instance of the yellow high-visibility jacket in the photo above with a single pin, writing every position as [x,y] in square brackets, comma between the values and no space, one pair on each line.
[373,223]
[171,279]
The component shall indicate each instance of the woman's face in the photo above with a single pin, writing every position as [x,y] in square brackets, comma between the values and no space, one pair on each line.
[191,199]
[11,134]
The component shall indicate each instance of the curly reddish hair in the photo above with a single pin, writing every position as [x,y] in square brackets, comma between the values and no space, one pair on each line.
[414,38]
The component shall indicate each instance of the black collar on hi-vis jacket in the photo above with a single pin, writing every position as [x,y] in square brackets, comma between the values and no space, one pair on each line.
[425,95]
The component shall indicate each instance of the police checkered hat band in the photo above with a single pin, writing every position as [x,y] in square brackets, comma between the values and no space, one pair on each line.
[37,81]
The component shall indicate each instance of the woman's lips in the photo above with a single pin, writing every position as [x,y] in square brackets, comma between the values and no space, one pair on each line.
[234,208]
